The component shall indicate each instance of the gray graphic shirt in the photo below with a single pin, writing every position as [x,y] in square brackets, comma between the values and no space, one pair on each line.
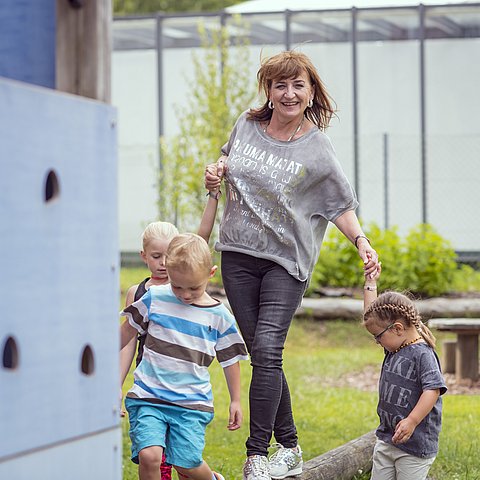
[281,196]
[405,375]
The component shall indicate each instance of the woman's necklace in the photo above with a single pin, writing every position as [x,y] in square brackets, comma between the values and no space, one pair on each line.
[299,127]
[407,344]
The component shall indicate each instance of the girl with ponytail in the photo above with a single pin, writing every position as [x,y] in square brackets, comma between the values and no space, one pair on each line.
[410,386]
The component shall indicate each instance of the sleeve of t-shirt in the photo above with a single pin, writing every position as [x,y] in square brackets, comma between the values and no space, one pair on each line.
[431,377]
[230,347]
[334,194]
[228,146]
[137,313]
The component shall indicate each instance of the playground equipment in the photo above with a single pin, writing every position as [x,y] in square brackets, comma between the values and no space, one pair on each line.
[59,391]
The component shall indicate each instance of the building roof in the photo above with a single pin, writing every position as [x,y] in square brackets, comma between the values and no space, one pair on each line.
[378,20]
[253,6]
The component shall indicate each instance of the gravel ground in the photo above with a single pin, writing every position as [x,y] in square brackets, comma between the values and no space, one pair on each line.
[367,380]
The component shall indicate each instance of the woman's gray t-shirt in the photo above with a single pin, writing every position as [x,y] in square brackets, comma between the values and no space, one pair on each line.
[281,196]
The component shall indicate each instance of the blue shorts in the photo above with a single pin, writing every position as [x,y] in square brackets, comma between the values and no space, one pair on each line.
[180,431]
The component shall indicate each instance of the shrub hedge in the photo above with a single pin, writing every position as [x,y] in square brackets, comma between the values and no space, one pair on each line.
[423,262]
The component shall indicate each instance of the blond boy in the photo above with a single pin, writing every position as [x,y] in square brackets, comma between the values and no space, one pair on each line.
[171,403]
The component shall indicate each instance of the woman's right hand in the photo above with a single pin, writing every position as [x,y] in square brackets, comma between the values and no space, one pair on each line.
[214,174]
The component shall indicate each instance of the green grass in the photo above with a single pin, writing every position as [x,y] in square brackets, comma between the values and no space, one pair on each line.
[129,277]
[327,417]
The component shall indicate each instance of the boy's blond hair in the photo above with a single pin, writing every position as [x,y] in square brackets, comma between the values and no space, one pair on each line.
[187,252]
[158,231]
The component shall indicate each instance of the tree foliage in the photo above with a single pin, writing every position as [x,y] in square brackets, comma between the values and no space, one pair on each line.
[129,7]
[222,88]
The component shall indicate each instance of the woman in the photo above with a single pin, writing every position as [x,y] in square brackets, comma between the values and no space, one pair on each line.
[284,184]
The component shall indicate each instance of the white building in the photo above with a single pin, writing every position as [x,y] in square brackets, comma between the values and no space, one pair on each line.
[404,76]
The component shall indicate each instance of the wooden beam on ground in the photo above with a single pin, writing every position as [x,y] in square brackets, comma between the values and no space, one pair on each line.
[350,308]
[343,462]
[83,52]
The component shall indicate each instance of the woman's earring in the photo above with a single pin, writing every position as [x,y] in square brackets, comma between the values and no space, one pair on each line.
[271,106]
[310,103]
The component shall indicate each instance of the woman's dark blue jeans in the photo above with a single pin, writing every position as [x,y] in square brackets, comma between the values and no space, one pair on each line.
[264,298]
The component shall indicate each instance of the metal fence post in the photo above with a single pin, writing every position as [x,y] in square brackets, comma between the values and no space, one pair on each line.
[386,193]
[355,106]
[423,121]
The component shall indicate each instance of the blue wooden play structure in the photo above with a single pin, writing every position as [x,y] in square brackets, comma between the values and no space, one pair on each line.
[59,387]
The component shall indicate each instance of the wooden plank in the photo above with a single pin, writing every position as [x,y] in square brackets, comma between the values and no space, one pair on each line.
[449,348]
[466,357]
[27,41]
[343,462]
[83,64]
[85,458]
[466,351]
[48,398]
[464,325]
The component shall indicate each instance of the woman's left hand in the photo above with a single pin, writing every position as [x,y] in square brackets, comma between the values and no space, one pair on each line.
[348,224]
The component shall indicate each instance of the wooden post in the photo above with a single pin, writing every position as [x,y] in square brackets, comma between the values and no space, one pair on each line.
[448,357]
[83,52]
[467,357]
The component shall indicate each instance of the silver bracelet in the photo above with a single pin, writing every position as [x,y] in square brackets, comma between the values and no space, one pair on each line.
[369,288]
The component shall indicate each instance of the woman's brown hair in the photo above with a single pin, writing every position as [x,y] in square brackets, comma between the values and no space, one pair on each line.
[291,64]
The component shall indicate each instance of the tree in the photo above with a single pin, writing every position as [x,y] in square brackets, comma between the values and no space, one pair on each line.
[124,7]
[223,88]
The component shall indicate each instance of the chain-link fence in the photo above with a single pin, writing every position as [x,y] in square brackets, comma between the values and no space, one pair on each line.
[395,188]
[405,81]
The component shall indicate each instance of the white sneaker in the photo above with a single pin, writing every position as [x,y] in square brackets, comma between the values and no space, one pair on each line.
[256,468]
[285,462]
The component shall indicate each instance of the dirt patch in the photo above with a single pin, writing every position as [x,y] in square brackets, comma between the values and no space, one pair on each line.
[367,381]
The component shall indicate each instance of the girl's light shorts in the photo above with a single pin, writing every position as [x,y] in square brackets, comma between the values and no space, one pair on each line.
[180,431]
[389,462]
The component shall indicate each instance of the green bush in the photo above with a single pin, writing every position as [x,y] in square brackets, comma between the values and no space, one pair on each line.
[389,247]
[466,279]
[339,264]
[431,261]
[423,262]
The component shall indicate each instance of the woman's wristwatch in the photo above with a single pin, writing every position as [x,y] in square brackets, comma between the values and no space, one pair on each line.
[355,242]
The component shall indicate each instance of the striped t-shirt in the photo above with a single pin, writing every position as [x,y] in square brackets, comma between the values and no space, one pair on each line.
[182,341]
